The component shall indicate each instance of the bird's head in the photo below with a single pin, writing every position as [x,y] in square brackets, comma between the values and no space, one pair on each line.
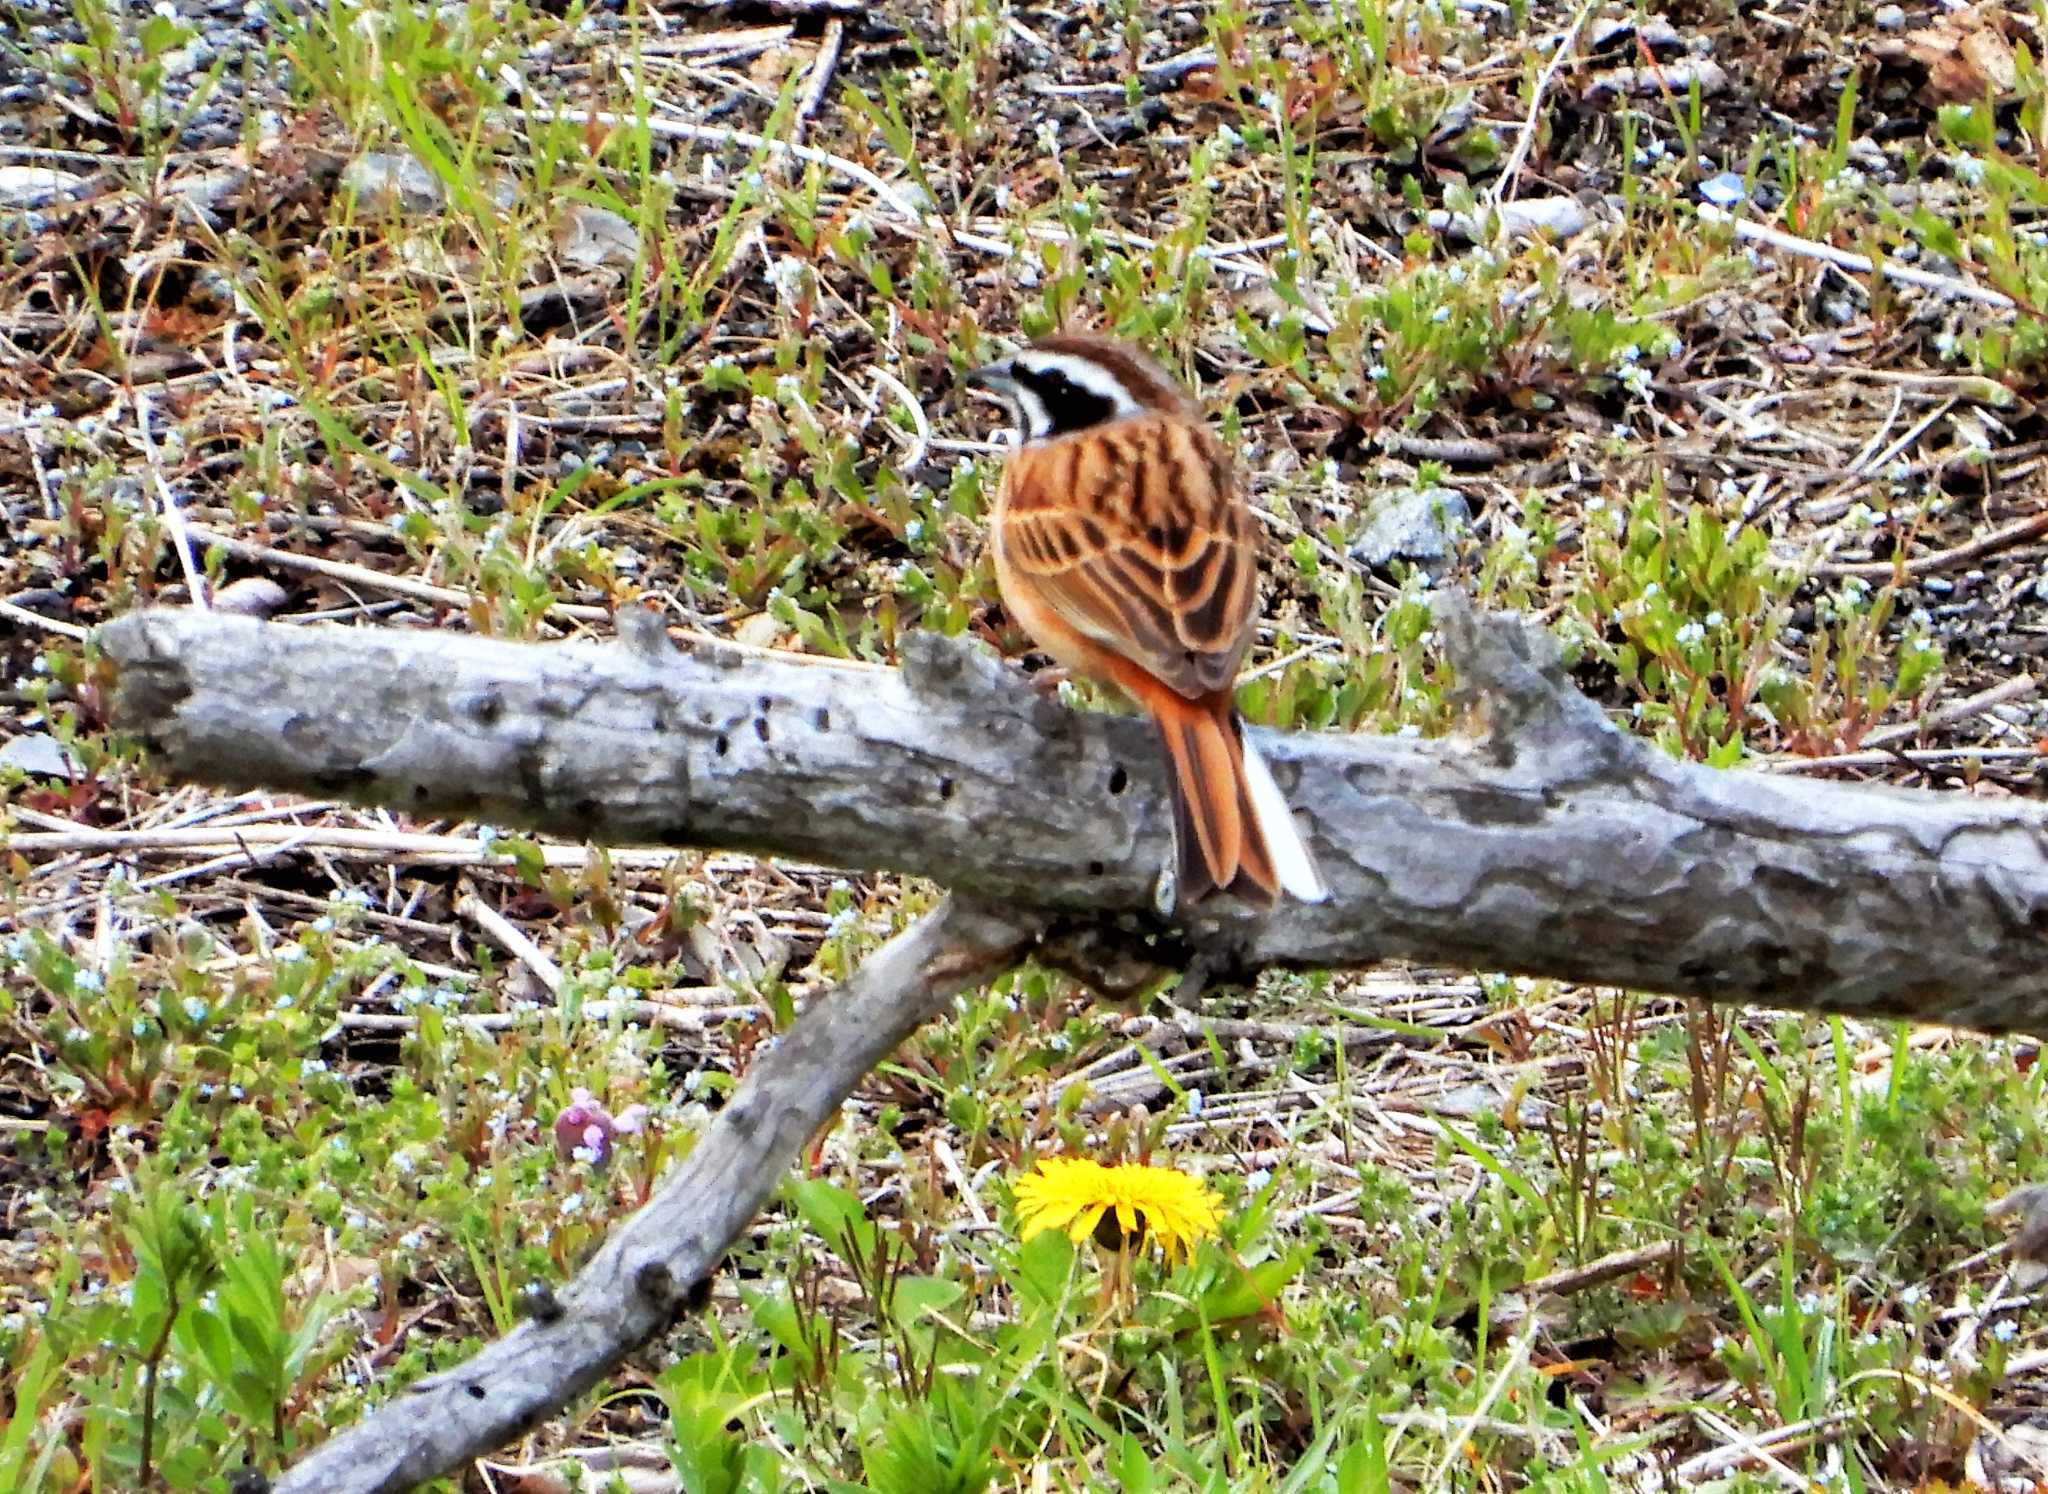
[1059,385]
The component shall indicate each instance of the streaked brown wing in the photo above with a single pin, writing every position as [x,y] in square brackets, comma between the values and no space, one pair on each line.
[1136,536]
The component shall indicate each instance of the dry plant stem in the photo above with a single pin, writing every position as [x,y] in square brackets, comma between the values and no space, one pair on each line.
[647,1270]
[36,620]
[506,935]
[1556,846]
[1525,137]
[364,576]
[1595,1272]
[1861,264]
[2019,687]
[1924,565]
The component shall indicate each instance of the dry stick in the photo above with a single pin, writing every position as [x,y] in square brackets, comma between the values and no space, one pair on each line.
[37,620]
[2017,688]
[513,942]
[1926,565]
[822,70]
[691,1019]
[395,845]
[1606,1268]
[174,516]
[448,596]
[1921,758]
[1525,138]
[1846,259]
[653,1267]
[1716,1461]
[362,575]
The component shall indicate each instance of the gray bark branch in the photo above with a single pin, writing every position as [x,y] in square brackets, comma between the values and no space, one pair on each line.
[644,1274]
[1556,845]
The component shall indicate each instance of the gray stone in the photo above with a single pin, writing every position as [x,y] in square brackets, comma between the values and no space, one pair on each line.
[1420,526]
[393,182]
[39,755]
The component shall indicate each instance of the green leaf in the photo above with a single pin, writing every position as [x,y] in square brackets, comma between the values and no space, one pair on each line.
[1248,1290]
[776,1315]
[834,1216]
[161,34]
[913,1298]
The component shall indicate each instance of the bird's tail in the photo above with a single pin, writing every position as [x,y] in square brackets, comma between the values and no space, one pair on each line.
[1231,827]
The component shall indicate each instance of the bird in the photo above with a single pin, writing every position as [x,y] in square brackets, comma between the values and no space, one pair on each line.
[1125,548]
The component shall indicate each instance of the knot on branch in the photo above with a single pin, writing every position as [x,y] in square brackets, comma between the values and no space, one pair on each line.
[151,680]
[645,635]
[1512,676]
[955,670]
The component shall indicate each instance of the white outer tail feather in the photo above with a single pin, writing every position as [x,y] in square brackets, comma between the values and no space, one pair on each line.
[1291,859]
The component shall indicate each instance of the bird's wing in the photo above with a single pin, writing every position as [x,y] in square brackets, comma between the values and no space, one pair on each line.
[1135,535]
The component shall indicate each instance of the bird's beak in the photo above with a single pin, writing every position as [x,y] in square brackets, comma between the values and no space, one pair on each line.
[996,377]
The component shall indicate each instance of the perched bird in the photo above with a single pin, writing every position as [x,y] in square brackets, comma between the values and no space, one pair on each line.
[1124,548]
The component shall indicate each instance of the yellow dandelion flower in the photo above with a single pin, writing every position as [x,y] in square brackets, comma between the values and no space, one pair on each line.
[1117,1203]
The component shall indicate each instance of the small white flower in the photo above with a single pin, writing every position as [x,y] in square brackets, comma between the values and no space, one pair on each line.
[2005,1330]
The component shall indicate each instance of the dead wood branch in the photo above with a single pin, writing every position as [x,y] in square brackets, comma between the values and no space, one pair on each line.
[1556,846]
[650,1268]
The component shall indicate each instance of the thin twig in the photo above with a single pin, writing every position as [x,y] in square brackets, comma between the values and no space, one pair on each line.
[1926,758]
[1606,1268]
[1862,264]
[1511,1365]
[1717,1461]
[511,940]
[174,516]
[653,1013]
[1926,565]
[363,576]
[2004,693]
[822,69]
[37,620]
[1525,138]
[922,438]
[418,849]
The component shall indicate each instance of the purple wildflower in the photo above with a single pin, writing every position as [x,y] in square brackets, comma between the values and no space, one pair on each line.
[584,1130]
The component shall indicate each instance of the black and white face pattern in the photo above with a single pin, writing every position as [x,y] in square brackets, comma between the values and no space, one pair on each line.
[1055,394]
